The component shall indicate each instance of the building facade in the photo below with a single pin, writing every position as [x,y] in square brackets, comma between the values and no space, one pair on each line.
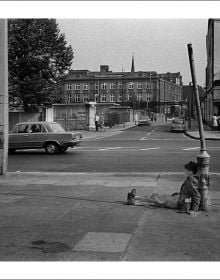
[212,100]
[156,92]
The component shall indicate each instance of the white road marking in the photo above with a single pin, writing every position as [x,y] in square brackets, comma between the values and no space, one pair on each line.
[188,149]
[156,148]
[149,133]
[113,148]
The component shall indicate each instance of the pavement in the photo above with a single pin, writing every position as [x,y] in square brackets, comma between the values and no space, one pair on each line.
[84,217]
[193,131]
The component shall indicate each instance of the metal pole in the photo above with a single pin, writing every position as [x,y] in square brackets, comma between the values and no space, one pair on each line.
[203,158]
[3,97]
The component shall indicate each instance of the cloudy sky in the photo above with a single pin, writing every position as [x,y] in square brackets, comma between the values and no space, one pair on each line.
[158,44]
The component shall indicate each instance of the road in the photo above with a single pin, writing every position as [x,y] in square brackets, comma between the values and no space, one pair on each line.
[140,149]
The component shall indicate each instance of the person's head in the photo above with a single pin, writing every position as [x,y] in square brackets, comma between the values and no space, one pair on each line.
[215,115]
[191,168]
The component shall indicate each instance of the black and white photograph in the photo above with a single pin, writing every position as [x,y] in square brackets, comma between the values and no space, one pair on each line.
[109,140]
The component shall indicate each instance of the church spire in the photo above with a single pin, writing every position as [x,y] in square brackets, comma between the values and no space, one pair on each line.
[132,64]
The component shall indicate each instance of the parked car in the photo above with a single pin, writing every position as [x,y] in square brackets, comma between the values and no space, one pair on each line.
[48,135]
[177,124]
[144,121]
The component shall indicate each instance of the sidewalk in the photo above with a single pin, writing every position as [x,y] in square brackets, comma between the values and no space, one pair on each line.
[84,217]
[209,134]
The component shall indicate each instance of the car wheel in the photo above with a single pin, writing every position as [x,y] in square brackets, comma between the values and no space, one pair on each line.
[11,151]
[52,148]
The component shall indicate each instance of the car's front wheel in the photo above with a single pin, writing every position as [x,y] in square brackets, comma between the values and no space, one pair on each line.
[52,148]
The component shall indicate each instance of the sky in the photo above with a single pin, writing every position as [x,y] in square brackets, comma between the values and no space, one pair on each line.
[157,44]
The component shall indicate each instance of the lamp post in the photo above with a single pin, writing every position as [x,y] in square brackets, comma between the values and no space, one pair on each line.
[203,158]
[3,97]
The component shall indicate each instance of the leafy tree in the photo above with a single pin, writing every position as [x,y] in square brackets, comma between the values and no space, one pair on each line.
[38,57]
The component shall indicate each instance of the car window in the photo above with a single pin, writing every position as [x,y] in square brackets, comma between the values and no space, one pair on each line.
[35,128]
[56,127]
[22,128]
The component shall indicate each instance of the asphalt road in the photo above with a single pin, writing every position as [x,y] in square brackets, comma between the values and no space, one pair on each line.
[140,149]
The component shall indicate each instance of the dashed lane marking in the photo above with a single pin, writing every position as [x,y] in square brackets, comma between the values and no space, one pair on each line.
[156,148]
[113,148]
[193,148]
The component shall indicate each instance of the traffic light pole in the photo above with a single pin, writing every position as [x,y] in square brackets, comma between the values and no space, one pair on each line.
[203,158]
[3,97]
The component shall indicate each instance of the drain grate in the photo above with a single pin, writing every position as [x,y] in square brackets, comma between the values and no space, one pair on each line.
[50,247]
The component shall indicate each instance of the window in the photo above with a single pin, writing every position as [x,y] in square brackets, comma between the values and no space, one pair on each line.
[68,86]
[35,128]
[77,98]
[103,98]
[85,97]
[148,97]
[103,86]
[96,86]
[112,98]
[119,97]
[85,86]
[139,85]
[131,85]
[112,85]
[120,85]
[148,85]
[129,97]
[139,97]
[69,98]
[96,98]
[77,86]
[23,128]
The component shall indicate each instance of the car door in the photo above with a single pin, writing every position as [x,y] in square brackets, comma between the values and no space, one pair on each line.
[36,136]
[19,136]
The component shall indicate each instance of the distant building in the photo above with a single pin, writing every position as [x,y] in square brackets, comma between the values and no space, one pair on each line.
[157,92]
[189,100]
[212,100]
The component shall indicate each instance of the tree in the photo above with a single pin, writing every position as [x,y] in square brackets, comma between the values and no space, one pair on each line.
[38,58]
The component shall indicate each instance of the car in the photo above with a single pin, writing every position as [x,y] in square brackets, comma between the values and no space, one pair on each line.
[177,124]
[48,135]
[144,121]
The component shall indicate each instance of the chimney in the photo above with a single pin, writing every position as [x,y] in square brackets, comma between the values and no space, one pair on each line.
[104,68]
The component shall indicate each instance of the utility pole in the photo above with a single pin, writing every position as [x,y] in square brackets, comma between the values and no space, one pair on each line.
[203,158]
[3,97]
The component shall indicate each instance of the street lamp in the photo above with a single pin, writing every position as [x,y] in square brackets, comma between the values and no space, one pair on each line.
[203,158]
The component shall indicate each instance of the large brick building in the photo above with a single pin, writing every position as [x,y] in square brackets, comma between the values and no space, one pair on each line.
[161,92]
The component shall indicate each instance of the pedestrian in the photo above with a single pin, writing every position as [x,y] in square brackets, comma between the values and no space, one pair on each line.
[136,118]
[97,122]
[155,117]
[214,122]
[102,122]
[187,200]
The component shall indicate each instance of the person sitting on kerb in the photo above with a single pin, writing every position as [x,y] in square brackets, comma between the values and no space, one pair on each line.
[187,200]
